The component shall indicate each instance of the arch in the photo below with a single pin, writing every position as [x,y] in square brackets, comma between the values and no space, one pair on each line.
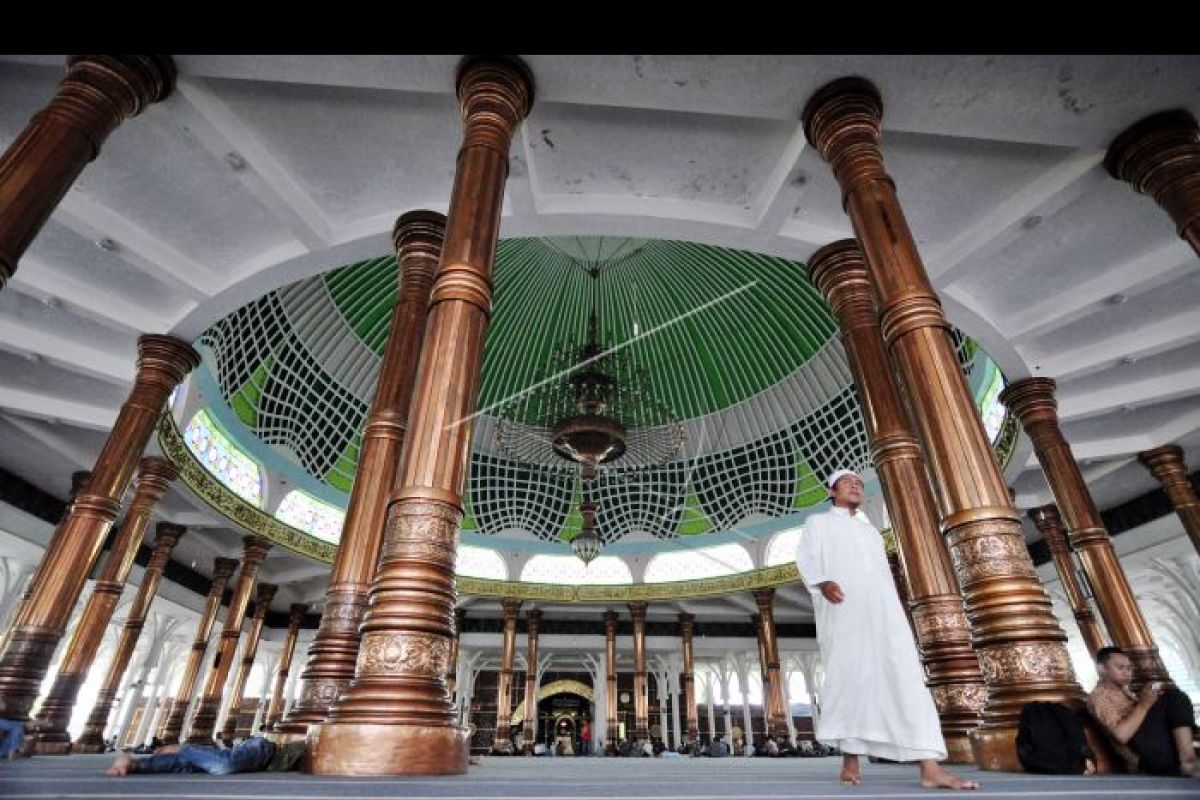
[301,510]
[549,690]
[223,459]
[705,562]
[781,548]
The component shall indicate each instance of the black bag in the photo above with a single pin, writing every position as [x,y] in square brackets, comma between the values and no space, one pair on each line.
[1050,740]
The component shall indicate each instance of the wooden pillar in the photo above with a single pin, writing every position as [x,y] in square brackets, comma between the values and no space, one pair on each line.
[501,743]
[687,624]
[1160,156]
[262,602]
[1020,646]
[1033,401]
[923,570]
[1167,465]
[610,677]
[533,621]
[254,552]
[295,620]
[51,738]
[98,93]
[173,726]
[1048,521]
[396,716]
[92,738]
[774,704]
[78,483]
[641,689]
[417,237]
[162,363]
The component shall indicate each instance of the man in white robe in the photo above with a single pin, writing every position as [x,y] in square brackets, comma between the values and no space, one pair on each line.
[874,700]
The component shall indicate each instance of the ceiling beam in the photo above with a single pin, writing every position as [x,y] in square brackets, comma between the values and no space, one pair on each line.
[1156,335]
[141,249]
[49,407]
[781,191]
[1134,393]
[41,281]
[1148,271]
[1046,194]
[223,133]
[519,188]
[54,440]
[74,355]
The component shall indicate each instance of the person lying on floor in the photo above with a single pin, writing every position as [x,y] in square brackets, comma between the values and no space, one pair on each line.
[254,754]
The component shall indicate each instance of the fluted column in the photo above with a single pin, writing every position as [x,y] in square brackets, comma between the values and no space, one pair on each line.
[222,570]
[686,629]
[1021,648]
[254,552]
[610,679]
[162,364]
[774,704]
[501,742]
[533,621]
[51,738]
[924,573]
[78,483]
[92,738]
[1033,401]
[262,602]
[295,620]
[1166,464]
[98,93]
[1048,521]
[417,237]
[898,578]
[396,716]
[641,688]
[1160,156]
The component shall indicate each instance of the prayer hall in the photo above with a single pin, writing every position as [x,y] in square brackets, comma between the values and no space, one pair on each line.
[453,426]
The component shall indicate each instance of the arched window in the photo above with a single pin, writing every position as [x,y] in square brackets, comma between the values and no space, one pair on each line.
[302,510]
[706,562]
[222,458]
[480,562]
[782,547]
[570,570]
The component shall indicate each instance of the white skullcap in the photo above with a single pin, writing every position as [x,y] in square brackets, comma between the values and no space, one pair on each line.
[838,474]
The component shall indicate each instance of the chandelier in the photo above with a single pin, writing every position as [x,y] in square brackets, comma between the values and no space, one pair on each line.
[594,408]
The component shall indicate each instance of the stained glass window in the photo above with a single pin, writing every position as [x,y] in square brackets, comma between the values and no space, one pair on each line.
[223,459]
[480,562]
[302,510]
[705,562]
[570,570]
[991,408]
[782,547]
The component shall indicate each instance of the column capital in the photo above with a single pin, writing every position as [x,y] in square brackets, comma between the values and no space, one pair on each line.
[263,597]
[168,530]
[1160,156]
[1164,461]
[686,621]
[165,355]
[419,235]
[223,568]
[843,120]
[1032,400]
[638,610]
[533,619]
[839,271]
[1049,521]
[500,85]
[765,598]
[510,606]
[254,551]
[610,618]
[79,481]
[154,476]
[130,82]
[296,614]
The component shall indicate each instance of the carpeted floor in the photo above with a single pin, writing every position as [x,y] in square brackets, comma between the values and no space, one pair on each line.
[571,778]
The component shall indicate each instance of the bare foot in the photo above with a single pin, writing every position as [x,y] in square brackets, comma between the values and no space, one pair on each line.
[122,765]
[1190,768]
[851,775]
[934,777]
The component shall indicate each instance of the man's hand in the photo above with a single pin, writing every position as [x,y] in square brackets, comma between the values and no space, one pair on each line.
[832,592]
[1149,693]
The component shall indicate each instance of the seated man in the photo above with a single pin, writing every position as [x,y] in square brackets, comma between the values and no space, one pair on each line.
[250,755]
[12,732]
[1154,727]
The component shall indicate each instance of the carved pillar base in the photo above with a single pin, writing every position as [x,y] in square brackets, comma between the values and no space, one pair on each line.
[392,749]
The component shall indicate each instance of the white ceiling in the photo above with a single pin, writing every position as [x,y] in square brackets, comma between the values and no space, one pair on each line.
[260,170]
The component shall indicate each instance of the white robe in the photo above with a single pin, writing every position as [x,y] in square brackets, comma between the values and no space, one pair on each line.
[874,700]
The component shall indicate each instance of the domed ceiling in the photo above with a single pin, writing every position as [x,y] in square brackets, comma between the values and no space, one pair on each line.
[736,351]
